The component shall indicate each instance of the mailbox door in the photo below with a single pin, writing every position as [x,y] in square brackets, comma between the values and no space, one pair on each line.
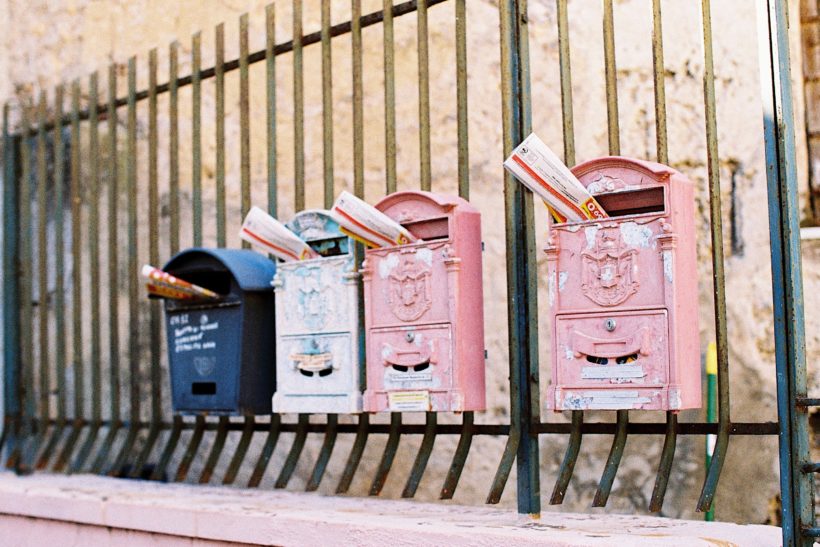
[606,265]
[418,358]
[315,296]
[409,285]
[614,351]
[315,364]
[204,357]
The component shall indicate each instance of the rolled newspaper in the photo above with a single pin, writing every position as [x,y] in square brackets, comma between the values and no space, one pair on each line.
[264,231]
[540,170]
[366,224]
[161,283]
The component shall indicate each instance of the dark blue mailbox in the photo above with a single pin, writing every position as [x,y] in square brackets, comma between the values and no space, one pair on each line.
[221,352]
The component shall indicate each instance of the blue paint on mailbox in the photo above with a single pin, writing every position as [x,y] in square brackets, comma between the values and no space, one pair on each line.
[221,353]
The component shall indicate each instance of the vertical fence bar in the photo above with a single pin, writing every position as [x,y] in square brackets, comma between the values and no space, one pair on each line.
[270,104]
[190,452]
[241,450]
[797,485]
[658,70]
[113,277]
[94,273]
[389,98]
[59,285]
[424,96]
[16,373]
[220,134]
[295,451]
[616,452]
[244,118]
[567,467]
[466,438]
[196,136]
[42,278]
[390,449]
[522,301]
[298,110]
[324,454]
[76,280]
[611,72]
[718,276]
[158,472]
[423,456]
[12,317]
[131,272]
[173,146]
[216,450]
[327,105]
[154,318]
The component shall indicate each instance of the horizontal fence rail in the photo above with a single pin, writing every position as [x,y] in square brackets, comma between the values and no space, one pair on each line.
[85,384]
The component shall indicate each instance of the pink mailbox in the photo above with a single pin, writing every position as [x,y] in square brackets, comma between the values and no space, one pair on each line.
[424,314]
[623,293]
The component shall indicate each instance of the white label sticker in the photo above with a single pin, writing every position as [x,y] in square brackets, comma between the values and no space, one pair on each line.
[612,371]
[409,401]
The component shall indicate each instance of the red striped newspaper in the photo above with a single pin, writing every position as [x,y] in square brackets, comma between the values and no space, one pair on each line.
[263,231]
[164,285]
[540,170]
[368,225]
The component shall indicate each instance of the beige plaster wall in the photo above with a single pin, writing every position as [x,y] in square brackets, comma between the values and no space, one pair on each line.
[51,42]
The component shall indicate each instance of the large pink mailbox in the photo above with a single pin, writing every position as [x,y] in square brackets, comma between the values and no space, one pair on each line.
[623,293]
[424,315]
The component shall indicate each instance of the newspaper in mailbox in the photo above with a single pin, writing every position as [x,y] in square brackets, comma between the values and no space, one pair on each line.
[164,285]
[264,231]
[368,225]
[540,170]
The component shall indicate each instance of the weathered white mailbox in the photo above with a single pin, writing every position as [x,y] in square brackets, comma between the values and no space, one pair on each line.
[317,336]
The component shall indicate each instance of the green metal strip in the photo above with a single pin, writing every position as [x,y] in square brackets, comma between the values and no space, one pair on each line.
[220,135]
[241,450]
[459,457]
[196,136]
[611,75]
[570,458]
[659,73]
[173,147]
[389,454]
[718,276]
[565,69]
[190,452]
[616,452]
[113,278]
[425,173]
[270,104]
[423,456]
[94,276]
[324,454]
[356,451]
[389,98]
[295,451]
[267,451]
[462,126]
[327,106]
[244,120]
[132,273]
[216,450]
[665,465]
[298,110]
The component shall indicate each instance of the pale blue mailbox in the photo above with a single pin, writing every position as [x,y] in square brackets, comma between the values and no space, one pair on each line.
[221,352]
[317,323]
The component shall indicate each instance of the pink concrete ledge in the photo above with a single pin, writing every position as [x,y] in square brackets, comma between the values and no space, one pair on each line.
[84,509]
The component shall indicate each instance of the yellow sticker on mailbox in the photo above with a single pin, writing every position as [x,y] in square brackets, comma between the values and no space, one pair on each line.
[409,401]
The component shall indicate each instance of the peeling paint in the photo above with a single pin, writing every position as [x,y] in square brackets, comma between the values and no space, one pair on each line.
[590,232]
[570,355]
[562,280]
[425,255]
[388,264]
[551,284]
[573,228]
[636,235]
[667,266]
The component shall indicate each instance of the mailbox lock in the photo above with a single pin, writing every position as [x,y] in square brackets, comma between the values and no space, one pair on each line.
[610,324]
[410,336]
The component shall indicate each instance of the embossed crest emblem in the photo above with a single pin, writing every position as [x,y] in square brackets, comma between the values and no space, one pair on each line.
[409,295]
[312,300]
[609,275]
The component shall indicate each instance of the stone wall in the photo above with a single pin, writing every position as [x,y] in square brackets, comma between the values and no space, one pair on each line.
[51,42]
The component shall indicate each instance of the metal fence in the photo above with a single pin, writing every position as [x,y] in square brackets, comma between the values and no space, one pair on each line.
[65,408]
